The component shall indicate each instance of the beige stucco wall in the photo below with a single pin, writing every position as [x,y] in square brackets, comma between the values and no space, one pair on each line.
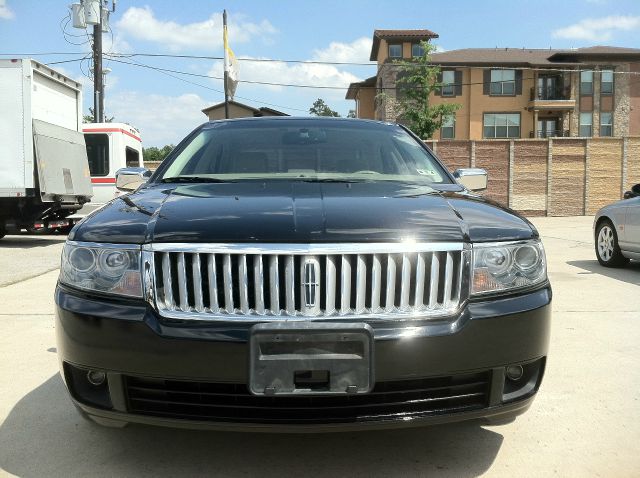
[365,101]
[469,118]
[235,111]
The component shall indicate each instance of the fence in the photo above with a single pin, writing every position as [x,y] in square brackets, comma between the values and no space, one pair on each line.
[550,177]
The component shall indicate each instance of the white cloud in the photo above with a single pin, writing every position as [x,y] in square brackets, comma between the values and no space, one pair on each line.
[161,119]
[5,12]
[304,73]
[598,29]
[356,52]
[141,23]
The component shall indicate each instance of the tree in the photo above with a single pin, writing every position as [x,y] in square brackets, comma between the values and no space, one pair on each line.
[155,154]
[320,108]
[415,82]
[89,118]
[351,114]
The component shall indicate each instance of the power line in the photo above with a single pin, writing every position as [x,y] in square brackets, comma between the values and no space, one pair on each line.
[167,72]
[318,62]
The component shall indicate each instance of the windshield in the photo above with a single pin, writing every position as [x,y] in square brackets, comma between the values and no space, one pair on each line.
[317,150]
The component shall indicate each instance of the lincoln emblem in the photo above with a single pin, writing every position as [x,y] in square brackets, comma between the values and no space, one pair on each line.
[311,282]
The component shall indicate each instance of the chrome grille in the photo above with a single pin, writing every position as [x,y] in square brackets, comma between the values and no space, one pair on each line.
[280,281]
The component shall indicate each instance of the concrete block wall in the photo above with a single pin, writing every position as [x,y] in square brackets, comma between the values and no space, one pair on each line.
[529,177]
[550,177]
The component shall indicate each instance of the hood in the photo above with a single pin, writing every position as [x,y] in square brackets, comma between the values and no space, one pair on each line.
[299,212]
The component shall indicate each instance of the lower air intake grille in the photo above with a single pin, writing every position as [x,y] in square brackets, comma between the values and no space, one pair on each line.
[232,403]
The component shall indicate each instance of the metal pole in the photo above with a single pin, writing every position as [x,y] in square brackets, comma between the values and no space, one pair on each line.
[98,87]
[226,74]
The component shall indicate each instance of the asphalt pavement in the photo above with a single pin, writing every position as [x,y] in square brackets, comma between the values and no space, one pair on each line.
[585,421]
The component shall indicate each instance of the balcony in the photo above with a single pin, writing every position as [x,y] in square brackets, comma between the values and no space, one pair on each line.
[551,97]
[549,133]
[550,93]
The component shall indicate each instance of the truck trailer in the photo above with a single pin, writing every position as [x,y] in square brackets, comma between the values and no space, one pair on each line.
[44,171]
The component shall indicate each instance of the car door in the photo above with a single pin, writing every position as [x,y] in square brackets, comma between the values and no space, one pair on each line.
[632,226]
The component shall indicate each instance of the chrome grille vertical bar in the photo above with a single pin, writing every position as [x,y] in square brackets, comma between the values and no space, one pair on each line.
[448,279]
[405,286]
[376,282]
[391,284]
[418,300]
[258,283]
[361,283]
[345,285]
[274,285]
[182,283]
[213,283]
[243,283]
[330,297]
[457,296]
[228,283]
[433,283]
[197,282]
[290,286]
[167,285]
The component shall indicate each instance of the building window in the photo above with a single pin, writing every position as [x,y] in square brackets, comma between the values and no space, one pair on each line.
[586,82]
[503,82]
[586,124]
[417,50]
[448,128]
[448,83]
[606,124]
[501,125]
[395,51]
[606,82]
[97,153]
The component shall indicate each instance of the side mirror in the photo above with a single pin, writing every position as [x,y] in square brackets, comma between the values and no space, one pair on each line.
[130,179]
[635,192]
[474,179]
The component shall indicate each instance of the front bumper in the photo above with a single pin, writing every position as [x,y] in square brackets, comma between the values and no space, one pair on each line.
[195,375]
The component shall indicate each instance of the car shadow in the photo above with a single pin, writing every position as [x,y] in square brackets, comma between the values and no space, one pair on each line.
[24,241]
[44,435]
[629,273]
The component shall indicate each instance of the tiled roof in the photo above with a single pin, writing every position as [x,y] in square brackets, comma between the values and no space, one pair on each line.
[528,56]
[354,87]
[419,35]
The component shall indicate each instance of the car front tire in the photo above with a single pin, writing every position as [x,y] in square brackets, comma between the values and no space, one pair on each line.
[607,248]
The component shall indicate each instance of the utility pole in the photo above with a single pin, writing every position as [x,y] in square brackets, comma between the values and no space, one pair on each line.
[226,73]
[96,13]
[98,86]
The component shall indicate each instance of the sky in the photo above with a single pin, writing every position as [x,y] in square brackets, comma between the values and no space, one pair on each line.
[165,106]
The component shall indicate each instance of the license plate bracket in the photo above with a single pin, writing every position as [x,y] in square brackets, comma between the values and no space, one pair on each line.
[306,358]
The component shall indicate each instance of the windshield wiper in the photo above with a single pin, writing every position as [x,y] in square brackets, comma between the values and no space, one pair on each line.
[332,180]
[194,179]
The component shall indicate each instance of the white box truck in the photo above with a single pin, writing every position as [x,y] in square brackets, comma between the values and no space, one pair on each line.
[44,172]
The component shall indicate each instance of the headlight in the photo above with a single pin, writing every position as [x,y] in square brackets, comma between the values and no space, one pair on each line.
[505,266]
[108,268]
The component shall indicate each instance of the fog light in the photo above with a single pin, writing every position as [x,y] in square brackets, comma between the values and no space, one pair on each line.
[514,372]
[96,377]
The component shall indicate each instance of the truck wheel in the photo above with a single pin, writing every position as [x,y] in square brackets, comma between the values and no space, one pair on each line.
[607,248]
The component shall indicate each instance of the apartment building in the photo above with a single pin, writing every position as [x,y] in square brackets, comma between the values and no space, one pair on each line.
[513,92]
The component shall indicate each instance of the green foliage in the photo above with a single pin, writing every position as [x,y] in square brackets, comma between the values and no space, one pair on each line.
[156,154]
[320,108]
[415,82]
[89,118]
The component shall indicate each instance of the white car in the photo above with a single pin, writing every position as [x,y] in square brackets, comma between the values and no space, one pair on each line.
[617,230]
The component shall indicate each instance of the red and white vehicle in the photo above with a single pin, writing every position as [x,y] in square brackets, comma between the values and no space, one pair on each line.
[110,146]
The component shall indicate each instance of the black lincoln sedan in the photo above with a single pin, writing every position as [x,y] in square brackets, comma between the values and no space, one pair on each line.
[302,274]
